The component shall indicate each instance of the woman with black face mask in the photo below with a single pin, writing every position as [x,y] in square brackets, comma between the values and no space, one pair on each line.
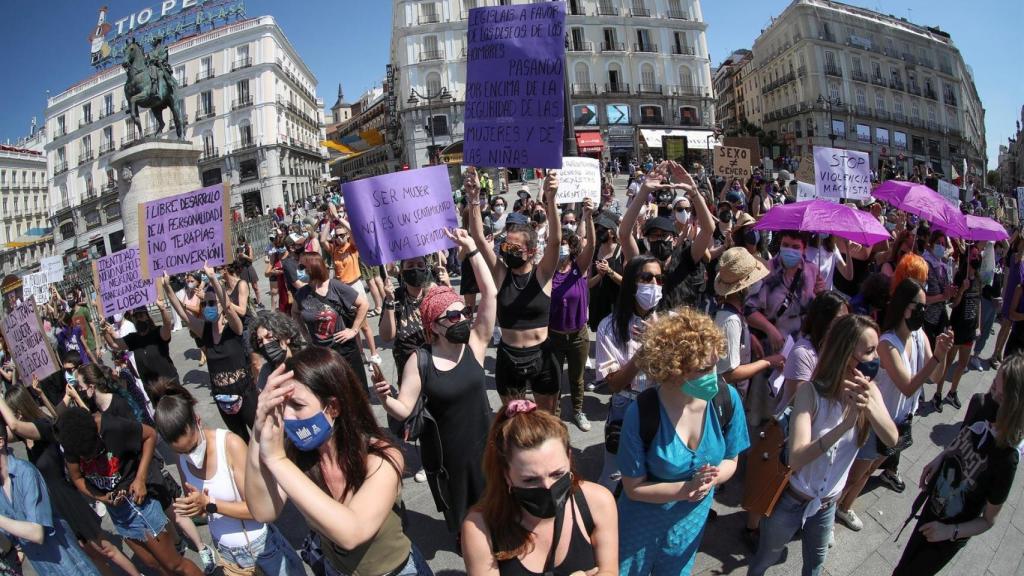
[276,337]
[448,375]
[400,318]
[538,516]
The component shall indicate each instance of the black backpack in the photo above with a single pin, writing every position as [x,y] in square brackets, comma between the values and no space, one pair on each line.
[650,417]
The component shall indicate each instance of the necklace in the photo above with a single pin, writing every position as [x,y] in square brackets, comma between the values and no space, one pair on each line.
[516,284]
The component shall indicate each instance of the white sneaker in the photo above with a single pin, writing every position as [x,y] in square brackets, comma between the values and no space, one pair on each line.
[376,359]
[420,477]
[209,560]
[581,421]
[849,519]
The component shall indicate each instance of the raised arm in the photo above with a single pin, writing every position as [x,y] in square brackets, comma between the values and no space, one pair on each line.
[264,497]
[26,430]
[588,237]
[194,323]
[487,303]
[234,322]
[706,224]
[402,406]
[471,185]
[549,260]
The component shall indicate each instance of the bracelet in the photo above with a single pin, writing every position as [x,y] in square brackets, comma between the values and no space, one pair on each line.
[388,305]
[822,446]
[471,254]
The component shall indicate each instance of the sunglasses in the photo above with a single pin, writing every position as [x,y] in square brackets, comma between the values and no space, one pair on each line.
[511,248]
[649,277]
[918,306]
[682,209]
[455,315]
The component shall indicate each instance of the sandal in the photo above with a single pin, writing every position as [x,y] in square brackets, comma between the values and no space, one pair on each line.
[372,313]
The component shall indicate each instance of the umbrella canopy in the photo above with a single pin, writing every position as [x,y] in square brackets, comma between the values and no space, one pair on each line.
[823,217]
[980,228]
[925,203]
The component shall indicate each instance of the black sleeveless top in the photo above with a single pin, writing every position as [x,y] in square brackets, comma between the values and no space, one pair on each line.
[522,303]
[580,556]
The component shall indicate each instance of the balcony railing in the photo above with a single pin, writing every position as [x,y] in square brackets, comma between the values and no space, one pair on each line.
[694,91]
[650,89]
[428,55]
[676,14]
[863,110]
[584,89]
[859,76]
[205,75]
[581,46]
[914,89]
[104,113]
[645,47]
[60,167]
[607,10]
[241,63]
[204,114]
[60,131]
[684,50]
[933,126]
[209,154]
[896,84]
[241,103]
[833,71]
[244,146]
[84,157]
[878,81]
[641,12]
[429,18]
[950,100]
[930,94]
[881,113]
[85,122]
[899,117]
[613,47]
[110,186]
[616,89]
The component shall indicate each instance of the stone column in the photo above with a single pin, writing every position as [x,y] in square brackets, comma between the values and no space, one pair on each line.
[152,170]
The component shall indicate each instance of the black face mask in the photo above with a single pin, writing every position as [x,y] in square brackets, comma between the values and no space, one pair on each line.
[458,333]
[725,216]
[660,249]
[869,369]
[273,352]
[544,502]
[539,218]
[603,235]
[414,277]
[916,319]
[513,260]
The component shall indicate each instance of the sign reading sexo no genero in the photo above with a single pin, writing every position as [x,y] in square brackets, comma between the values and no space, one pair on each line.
[181,233]
[732,162]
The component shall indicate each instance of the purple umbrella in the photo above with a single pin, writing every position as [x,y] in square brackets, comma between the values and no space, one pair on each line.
[824,217]
[980,228]
[924,202]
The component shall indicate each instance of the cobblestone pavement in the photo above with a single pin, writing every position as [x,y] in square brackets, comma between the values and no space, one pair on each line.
[870,552]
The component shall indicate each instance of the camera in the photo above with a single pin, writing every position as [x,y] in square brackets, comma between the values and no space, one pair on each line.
[664,197]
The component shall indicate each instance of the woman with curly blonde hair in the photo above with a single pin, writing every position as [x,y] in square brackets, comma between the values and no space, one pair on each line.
[670,476]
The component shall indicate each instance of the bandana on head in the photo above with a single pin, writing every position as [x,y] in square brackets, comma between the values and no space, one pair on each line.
[435,302]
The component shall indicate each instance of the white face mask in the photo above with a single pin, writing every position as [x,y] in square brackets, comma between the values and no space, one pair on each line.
[563,251]
[569,227]
[198,454]
[499,209]
[648,296]
[683,217]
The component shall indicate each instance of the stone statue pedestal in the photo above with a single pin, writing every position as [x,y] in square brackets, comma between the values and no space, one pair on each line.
[153,169]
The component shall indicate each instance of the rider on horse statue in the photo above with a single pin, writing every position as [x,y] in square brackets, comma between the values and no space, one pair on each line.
[159,66]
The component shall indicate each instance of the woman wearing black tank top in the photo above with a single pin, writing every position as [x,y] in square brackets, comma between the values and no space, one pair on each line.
[537,516]
[525,357]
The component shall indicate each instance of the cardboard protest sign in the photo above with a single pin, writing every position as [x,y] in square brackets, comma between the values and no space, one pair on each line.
[53,266]
[401,215]
[514,86]
[751,143]
[805,173]
[732,162]
[119,283]
[181,233]
[27,343]
[579,178]
[842,173]
[37,287]
[950,192]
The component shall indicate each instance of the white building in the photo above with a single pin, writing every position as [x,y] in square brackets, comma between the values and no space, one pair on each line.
[898,91]
[634,66]
[249,100]
[25,234]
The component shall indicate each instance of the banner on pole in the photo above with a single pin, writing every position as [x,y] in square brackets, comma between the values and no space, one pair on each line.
[36,286]
[401,215]
[181,233]
[515,92]
[579,178]
[732,162]
[119,283]
[53,266]
[27,344]
[842,173]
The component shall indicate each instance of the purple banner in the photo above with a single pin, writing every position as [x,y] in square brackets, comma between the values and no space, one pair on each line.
[27,344]
[401,215]
[180,233]
[119,282]
[515,91]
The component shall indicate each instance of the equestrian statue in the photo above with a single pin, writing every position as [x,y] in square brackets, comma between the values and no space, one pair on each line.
[151,84]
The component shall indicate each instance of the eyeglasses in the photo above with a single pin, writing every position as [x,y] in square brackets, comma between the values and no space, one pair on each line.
[511,248]
[455,315]
[650,278]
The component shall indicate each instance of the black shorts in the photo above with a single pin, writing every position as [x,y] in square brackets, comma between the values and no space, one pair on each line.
[535,367]
[964,333]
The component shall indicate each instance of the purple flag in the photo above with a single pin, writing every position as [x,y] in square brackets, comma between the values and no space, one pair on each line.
[180,233]
[119,282]
[401,215]
[515,88]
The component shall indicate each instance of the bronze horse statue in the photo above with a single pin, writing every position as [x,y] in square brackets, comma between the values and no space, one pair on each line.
[150,87]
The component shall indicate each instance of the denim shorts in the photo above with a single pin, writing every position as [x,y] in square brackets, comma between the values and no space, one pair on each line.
[416,565]
[270,551]
[138,522]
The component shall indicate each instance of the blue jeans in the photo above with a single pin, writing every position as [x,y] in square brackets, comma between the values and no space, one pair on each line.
[610,469]
[988,318]
[271,552]
[779,528]
[138,523]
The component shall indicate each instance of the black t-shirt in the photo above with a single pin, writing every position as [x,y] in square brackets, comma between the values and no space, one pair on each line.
[290,267]
[121,408]
[976,469]
[322,313]
[605,293]
[115,467]
[684,279]
[54,386]
[152,355]
[409,335]
[966,312]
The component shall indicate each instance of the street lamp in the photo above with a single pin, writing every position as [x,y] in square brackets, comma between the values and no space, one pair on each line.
[829,103]
[442,95]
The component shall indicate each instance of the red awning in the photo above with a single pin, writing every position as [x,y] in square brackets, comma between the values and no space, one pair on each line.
[589,142]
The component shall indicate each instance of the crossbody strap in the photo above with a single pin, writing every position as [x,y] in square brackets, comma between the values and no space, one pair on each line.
[238,495]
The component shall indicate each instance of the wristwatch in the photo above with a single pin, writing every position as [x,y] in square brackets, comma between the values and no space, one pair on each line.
[211,505]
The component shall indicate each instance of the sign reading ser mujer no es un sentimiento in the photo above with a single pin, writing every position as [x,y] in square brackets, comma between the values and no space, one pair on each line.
[181,233]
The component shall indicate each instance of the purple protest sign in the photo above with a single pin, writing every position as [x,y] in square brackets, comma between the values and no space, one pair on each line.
[180,233]
[515,92]
[119,283]
[28,346]
[401,215]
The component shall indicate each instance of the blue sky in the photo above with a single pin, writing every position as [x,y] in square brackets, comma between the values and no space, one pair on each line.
[347,41]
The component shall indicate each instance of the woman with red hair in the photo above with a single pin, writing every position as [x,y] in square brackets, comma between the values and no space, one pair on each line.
[537,515]
[909,266]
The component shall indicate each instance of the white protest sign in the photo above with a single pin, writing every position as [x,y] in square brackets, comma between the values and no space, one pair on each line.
[53,266]
[1020,204]
[950,192]
[842,173]
[805,191]
[579,178]
[36,285]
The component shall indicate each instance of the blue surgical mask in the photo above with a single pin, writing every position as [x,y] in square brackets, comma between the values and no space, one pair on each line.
[303,276]
[790,257]
[939,251]
[205,278]
[308,434]
[211,313]
[704,387]
[870,368]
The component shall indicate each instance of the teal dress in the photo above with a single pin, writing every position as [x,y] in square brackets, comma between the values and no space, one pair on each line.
[662,539]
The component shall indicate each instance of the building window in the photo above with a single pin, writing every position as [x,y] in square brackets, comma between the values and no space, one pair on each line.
[647,79]
[208,148]
[62,128]
[610,39]
[897,105]
[688,116]
[245,135]
[839,128]
[833,90]
[582,74]
[438,125]
[87,112]
[643,41]
[206,103]
[882,136]
[433,83]
[651,115]
[879,101]
[242,89]
[179,75]
[206,65]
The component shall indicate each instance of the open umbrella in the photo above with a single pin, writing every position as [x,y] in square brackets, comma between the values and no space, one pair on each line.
[980,228]
[924,202]
[824,217]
